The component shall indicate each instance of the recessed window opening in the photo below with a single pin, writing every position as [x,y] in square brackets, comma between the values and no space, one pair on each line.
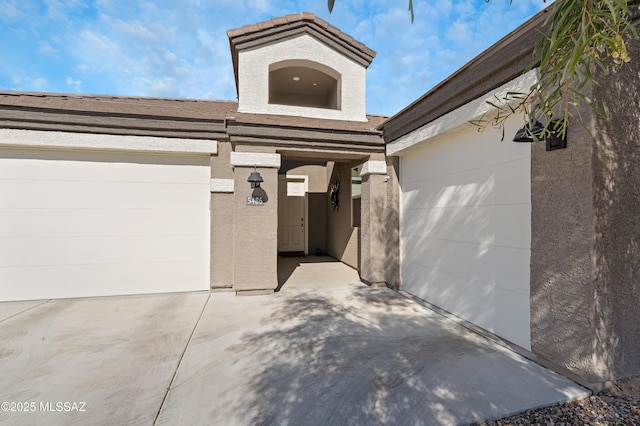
[301,83]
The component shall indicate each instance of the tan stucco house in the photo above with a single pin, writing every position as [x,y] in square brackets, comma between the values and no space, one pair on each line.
[111,195]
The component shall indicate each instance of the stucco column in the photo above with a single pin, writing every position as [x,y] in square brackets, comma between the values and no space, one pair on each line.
[585,244]
[375,261]
[222,219]
[256,223]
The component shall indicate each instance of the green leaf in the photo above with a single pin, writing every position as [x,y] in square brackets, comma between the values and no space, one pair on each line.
[330,4]
[411,9]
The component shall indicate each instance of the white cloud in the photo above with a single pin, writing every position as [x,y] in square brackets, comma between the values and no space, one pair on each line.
[61,9]
[14,10]
[153,32]
[46,49]
[76,85]
[460,32]
[39,83]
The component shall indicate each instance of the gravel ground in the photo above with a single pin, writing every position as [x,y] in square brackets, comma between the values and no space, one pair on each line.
[617,405]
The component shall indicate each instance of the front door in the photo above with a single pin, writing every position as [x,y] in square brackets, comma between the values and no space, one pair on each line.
[291,214]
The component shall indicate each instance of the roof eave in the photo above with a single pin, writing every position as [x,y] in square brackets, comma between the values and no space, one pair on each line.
[505,60]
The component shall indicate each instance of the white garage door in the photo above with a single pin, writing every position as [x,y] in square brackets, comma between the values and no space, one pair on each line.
[76,224]
[465,228]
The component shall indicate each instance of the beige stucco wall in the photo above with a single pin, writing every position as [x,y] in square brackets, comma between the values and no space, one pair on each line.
[253,79]
[372,231]
[585,290]
[562,288]
[222,220]
[617,222]
[379,244]
[391,224]
[256,232]
[342,238]
[317,175]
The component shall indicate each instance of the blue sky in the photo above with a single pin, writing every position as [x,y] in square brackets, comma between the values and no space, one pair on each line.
[179,48]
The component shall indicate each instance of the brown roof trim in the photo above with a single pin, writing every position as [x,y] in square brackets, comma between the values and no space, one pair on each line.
[118,115]
[299,133]
[190,109]
[182,118]
[366,127]
[306,133]
[276,29]
[501,63]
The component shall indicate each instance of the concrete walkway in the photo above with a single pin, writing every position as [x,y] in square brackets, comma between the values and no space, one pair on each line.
[344,354]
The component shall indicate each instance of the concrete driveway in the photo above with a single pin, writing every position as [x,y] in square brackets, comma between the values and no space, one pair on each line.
[346,354]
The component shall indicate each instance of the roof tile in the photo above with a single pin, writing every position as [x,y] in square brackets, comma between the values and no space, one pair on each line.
[253,28]
[265,24]
[235,32]
[334,30]
[279,21]
[321,23]
[298,17]
[293,17]
[306,16]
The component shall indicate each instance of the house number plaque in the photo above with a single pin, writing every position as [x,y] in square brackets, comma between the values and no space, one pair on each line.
[255,201]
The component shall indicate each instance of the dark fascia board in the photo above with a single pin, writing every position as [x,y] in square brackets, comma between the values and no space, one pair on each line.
[308,123]
[501,63]
[277,34]
[122,131]
[335,148]
[303,136]
[109,123]
[118,106]
[355,51]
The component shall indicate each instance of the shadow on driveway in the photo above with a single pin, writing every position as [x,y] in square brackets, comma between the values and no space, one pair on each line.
[348,356]
[330,355]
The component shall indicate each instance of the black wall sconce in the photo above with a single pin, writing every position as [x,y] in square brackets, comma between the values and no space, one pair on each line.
[532,132]
[255,179]
[556,139]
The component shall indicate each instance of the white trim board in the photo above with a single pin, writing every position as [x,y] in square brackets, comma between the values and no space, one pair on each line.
[94,142]
[257,159]
[458,119]
[222,185]
[374,167]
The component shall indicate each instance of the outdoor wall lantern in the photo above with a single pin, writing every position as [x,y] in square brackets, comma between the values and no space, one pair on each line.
[531,132]
[255,178]
[556,140]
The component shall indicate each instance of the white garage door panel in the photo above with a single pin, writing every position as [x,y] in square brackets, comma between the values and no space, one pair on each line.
[497,310]
[100,222]
[38,194]
[91,166]
[494,225]
[61,281]
[467,157]
[480,186]
[91,224]
[490,265]
[513,317]
[100,250]
[466,228]
[469,300]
